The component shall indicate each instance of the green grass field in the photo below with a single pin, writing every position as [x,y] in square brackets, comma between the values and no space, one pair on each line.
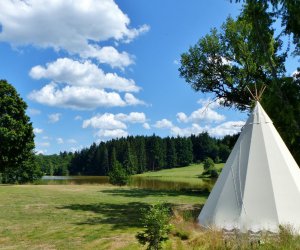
[188,174]
[106,217]
[79,216]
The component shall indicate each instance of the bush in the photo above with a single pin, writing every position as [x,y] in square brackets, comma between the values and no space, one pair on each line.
[208,163]
[157,228]
[118,175]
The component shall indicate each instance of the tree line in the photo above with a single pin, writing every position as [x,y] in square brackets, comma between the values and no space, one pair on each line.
[138,154]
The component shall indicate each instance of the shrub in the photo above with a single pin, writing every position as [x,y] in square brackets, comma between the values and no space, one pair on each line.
[118,175]
[157,228]
[208,163]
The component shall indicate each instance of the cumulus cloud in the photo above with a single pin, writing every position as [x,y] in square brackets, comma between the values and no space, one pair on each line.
[133,117]
[187,131]
[53,118]
[146,126]
[211,120]
[75,97]
[81,85]
[85,73]
[205,114]
[113,125]
[37,130]
[181,117]
[111,133]
[164,123]
[73,26]
[132,100]
[227,128]
[105,121]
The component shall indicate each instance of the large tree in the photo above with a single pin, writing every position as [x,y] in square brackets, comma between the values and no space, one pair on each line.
[245,53]
[285,10]
[17,163]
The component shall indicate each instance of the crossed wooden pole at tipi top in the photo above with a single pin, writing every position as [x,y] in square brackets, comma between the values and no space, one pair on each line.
[258,94]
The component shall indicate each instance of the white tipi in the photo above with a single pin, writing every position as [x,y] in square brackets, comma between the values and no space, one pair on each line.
[259,187]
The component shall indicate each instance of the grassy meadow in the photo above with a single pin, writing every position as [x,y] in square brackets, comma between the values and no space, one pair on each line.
[107,217]
[80,216]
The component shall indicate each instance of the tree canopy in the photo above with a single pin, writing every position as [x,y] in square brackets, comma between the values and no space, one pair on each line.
[17,163]
[245,53]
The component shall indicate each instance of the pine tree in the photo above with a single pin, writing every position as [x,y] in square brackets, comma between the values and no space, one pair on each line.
[171,156]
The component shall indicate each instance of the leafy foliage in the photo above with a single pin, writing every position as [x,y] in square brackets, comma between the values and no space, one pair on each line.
[285,10]
[208,163]
[157,227]
[209,168]
[118,175]
[245,53]
[17,139]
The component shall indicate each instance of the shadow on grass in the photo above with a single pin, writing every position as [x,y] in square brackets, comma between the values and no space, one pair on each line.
[118,215]
[128,215]
[142,193]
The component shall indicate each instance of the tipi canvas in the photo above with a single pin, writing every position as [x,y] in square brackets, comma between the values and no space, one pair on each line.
[259,187]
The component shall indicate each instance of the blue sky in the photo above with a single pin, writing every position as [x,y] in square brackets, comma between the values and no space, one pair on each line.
[101,69]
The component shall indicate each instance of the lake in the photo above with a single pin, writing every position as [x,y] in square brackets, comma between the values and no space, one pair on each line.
[155,183]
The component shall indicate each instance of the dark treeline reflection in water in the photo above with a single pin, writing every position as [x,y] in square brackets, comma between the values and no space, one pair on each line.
[154,183]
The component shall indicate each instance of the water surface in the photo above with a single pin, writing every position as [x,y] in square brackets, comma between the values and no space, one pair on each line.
[154,183]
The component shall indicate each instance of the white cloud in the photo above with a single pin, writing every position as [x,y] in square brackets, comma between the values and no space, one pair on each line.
[105,121]
[59,140]
[33,111]
[146,126]
[227,128]
[132,100]
[111,133]
[181,117]
[81,85]
[37,130]
[133,117]
[73,26]
[113,125]
[74,97]
[53,118]
[208,116]
[205,114]
[108,55]
[85,74]
[194,129]
[164,123]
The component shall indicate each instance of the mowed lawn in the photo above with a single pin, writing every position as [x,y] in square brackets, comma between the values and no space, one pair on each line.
[78,216]
[188,174]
